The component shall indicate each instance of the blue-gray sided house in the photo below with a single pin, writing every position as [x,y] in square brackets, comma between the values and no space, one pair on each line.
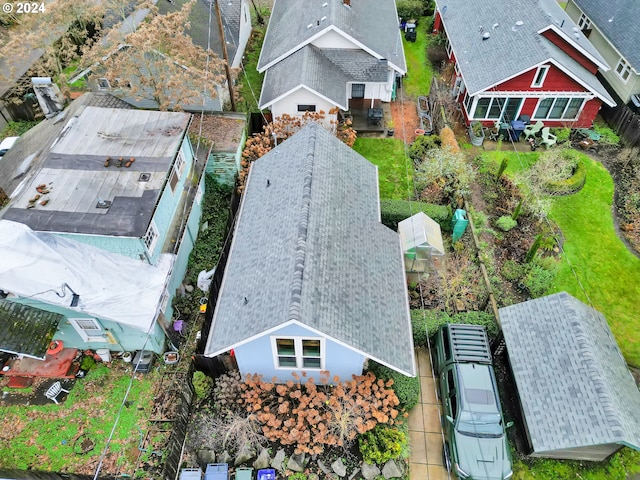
[99,227]
[314,282]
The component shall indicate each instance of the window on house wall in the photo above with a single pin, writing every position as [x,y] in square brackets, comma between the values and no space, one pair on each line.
[306,108]
[623,70]
[584,23]
[448,48]
[560,108]
[88,328]
[294,352]
[176,171]
[151,238]
[357,90]
[538,78]
[103,84]
[495,108]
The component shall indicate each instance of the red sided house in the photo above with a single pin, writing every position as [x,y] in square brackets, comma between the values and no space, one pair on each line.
[515,58]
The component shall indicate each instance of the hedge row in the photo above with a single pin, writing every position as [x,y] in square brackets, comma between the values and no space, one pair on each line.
[407,389]
[425,323]
[394,211]
[572,184]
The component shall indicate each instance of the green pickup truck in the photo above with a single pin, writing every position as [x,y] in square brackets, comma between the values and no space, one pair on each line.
[475,438]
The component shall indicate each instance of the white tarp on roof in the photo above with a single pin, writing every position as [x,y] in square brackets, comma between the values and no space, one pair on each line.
[111,286]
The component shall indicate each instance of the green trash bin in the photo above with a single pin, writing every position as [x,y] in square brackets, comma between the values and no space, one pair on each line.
[459,224]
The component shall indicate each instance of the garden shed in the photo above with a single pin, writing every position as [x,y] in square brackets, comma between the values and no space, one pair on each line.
[578,399]
[421,239]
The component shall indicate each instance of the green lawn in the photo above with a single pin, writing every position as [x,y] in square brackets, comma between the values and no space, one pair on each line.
[609,273]
[250,81]
[388,154]
[420,72]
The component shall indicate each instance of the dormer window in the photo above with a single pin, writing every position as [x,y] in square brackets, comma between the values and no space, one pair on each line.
[538,78]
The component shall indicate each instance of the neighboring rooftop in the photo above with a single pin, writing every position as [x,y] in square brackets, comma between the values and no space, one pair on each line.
[371,23]
[85,196]
[310,223]
[574,385]
[26,330]
[515,43]
[618,22]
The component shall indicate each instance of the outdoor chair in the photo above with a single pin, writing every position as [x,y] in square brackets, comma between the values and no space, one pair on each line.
[532,130]
[53,391]
[548,138]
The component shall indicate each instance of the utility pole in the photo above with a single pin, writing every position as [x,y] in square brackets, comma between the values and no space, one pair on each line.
[225,55]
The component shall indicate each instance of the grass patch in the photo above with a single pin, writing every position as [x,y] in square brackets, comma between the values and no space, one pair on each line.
[609,273]
[16,129]
[250,81]
[42,437]
[395,177]
[420,72]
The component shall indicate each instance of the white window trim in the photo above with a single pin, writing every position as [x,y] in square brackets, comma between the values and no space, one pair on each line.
[100,337]
[298,352]
[535,110]
[100,87]
[625,68]
[584,23]
[545,70]
[150,246]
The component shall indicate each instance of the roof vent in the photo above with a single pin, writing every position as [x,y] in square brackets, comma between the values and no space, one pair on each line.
[144,177]
[103,204]
[486,35]
[309,26]
[324,4]
[517,26]
[495,25]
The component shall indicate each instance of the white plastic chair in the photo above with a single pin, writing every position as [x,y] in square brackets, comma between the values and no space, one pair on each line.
[53,391]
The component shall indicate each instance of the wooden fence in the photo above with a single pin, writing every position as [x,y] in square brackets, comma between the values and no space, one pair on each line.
[624,122]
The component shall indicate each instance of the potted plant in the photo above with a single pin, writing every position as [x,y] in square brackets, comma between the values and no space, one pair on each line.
[391,128]
[476,133]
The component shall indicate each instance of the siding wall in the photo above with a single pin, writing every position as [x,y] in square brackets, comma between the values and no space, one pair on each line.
[567,48]
[623,89]
[257,356]
[245,33]
[289,104]
[333,39]
[124,338]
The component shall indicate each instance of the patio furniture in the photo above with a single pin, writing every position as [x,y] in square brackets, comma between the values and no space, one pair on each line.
[374,116]
[244,473]
[53,391]
[532,130]
[548,138]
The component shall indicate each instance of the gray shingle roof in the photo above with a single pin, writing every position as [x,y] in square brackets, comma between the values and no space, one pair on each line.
[574,386]
[325,71]
[309,247]
[373,23]
[510,50]
[26,330]
[622,31]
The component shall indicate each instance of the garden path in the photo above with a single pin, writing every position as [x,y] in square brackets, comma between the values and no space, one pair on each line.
[425,433]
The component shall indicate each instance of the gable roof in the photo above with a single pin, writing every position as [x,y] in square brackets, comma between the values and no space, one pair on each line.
[574,386]
[512,50]
[77,179]
[324,71]
[309,248]
[112,287]
[618,22]
[25,330]
[371,24]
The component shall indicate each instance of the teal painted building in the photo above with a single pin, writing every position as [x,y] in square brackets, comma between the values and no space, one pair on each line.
[111,213]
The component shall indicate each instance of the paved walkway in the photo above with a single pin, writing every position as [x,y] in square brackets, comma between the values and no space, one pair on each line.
[425,437]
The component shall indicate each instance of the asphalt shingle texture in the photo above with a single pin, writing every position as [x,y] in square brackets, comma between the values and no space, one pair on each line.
[372,23]
[618,21]
[309,247]
[510,50]
[574,386]
[26,330]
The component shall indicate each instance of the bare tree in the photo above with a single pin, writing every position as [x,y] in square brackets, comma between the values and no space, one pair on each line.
[158,60]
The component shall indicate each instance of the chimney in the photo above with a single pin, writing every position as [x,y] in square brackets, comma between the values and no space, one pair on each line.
[346,3]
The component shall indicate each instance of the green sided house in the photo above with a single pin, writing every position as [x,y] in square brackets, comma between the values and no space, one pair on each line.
[314,282]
